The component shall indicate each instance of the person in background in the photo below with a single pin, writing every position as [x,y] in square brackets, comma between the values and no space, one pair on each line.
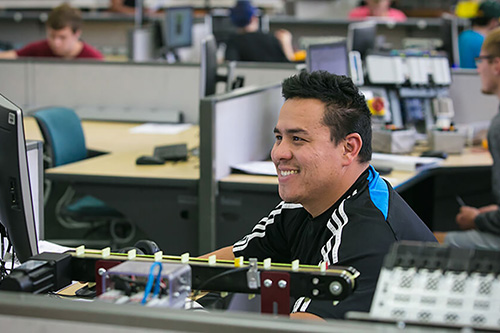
[482,225]
[377,8]
[63,28]
[470,41]
[336,208]
[250,44]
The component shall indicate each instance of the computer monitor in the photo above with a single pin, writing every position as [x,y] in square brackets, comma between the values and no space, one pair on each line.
[361,37]
[208,70]
[449,36]
[16,207]
[178,27]
[34,152]
[331,57]
[208,64]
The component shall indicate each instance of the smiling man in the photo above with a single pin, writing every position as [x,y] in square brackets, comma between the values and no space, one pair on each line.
[63,28]
[336,209]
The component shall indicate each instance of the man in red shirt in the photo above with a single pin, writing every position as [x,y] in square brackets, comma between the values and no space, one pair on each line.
[63,38]
[377,8]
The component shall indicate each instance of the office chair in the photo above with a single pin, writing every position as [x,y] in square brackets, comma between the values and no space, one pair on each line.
[64,143]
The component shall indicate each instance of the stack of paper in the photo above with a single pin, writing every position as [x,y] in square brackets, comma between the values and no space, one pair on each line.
[265,168]
[404,162]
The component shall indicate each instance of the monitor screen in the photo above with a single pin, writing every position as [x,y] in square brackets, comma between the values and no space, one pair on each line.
[330,57]
[208,64]
[361,37]
[222,26]
[178,27]
[16,207]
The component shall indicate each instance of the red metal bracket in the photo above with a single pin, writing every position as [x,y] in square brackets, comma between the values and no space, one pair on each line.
[275,292]
[100,265]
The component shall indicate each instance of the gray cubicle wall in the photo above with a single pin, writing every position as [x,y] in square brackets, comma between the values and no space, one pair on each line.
[13,82]
[120,90]
[470,104]
[105,90]
[264,73]
[236,127]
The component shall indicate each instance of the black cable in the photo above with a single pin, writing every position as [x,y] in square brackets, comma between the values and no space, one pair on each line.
[13,260]
[2,237]
[217,276]
[13,255]
[4,269]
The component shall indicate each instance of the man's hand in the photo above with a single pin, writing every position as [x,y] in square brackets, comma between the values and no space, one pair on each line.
[305,316]
[466,216]
[11,54]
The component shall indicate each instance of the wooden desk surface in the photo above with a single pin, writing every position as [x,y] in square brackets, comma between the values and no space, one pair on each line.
[474,156]
[124,148]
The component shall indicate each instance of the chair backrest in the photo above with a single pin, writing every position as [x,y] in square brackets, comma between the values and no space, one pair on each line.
[63,135]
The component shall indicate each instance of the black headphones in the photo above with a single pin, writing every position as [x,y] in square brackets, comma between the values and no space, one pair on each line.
[147,246]
[142,246]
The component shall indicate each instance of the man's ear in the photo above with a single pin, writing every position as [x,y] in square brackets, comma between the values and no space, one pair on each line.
[352,147]
[496,66]
[78,33]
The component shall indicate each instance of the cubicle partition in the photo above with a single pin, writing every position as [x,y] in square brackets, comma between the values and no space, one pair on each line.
[105,90]
[236,127]
[470,104]
[264,73]
[325,24]
[149,91]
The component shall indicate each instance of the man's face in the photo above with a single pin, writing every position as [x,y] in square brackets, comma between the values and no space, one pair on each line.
[63,42]
[307,161]
[378,6]
[485,68]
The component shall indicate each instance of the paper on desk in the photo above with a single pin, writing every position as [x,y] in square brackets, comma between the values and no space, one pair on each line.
[155,128]
[404,162]
[45,246]
[265,168]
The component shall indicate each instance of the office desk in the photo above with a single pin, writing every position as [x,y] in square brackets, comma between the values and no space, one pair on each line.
[244,199]
[392,32]
[160,199]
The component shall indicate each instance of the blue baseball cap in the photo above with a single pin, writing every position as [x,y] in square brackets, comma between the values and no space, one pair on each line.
[242,13]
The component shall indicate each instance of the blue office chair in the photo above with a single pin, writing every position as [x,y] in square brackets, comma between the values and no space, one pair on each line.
[64,142]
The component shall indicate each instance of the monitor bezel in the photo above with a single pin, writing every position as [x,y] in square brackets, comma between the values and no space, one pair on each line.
[352,28]
[208,66]
[19,221]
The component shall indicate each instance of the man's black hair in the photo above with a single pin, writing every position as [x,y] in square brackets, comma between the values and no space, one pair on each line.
[346,111]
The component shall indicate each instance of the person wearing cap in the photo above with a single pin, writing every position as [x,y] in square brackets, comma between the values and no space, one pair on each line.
[250,44]
[64,28]
[377,8]
[471,40]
